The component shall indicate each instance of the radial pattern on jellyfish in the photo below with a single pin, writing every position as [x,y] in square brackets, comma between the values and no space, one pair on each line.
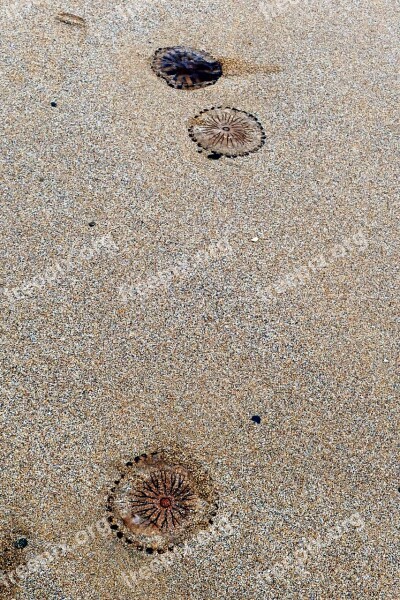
[157,502]
[164,500]
[227,131]
[185,68]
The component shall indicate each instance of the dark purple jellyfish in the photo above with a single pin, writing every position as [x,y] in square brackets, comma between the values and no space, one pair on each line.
[186,68]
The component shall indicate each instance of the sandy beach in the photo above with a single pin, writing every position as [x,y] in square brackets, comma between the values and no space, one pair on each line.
[239,314]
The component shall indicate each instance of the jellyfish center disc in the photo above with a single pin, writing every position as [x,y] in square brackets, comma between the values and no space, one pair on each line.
[165,503]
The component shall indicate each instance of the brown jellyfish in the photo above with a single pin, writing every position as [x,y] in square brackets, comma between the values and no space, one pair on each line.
[226,131]
[186,68]
[158,502]
[164,500]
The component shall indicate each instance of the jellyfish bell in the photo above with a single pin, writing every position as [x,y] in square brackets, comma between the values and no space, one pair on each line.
[186,68]
[226,131]
[159,502]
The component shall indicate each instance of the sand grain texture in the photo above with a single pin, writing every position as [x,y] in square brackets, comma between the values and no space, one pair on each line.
[89,380]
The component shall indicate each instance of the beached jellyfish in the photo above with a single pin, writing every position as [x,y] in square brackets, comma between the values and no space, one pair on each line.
[158,502]
[186,68]
[162,500]
[226,131]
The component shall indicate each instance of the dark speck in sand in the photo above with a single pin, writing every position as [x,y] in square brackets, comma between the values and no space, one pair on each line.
[53,104]
[21,543]
[256,419]
[92,223]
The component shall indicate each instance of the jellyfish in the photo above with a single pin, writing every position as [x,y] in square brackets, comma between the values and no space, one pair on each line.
[226,131]
[157,502]
[186,68]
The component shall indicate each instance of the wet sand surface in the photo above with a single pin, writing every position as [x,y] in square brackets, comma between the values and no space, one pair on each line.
[268,287]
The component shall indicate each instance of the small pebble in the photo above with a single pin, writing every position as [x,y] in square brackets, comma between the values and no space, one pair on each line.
[254,239]
[256,419]
[21,543]
[92,223]
[53,104]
